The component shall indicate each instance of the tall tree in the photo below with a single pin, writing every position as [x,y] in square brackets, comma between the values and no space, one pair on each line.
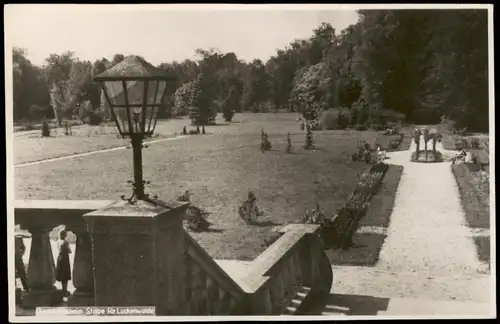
[200,110]
[30,92]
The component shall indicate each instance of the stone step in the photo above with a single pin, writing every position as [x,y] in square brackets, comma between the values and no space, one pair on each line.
[297,301]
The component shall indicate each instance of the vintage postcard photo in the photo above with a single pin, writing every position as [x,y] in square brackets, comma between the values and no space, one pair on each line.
[249,162]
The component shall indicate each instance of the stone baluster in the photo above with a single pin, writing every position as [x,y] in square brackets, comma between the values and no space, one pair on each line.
[265,306]
[287,278]
[292,272]
[41,270]
[297,267]
[83,273]
[277,292]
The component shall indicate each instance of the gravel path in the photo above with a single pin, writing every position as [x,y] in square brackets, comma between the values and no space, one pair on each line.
[93,152]
[429,253]
[428,230]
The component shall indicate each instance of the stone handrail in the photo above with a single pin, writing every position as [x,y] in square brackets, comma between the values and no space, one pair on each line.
[295,263]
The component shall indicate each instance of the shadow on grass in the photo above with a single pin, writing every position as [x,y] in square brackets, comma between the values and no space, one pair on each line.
[213,230]
[364,251]
[483,248]
[350,305]
[264,223]
[222,124]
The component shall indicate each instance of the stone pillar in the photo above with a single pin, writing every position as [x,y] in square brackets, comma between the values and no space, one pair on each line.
[139,255]
[41,270]
[83,272]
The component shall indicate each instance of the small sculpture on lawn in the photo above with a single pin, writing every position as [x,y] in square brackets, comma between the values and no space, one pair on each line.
[288,144]
[249,211]
[265,145]
[435,137]
[196,218]
[416,137]
[67,128]
[316,216]
[363,154]
[184,131]
[459,158]
[426,139]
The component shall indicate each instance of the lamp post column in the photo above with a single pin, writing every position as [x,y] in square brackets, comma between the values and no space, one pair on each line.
[138,178]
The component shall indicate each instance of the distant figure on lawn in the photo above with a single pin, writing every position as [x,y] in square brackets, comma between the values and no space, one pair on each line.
[63,268]
[249,211]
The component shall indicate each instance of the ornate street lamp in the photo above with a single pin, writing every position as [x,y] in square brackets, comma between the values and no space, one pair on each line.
[134,90]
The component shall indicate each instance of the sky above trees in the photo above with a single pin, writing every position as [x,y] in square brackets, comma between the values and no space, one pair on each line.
[160,34]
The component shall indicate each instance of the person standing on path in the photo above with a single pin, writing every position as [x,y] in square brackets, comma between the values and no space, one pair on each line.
[63,268]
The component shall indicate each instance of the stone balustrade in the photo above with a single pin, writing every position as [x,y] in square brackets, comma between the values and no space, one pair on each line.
[178,277]
[39,218]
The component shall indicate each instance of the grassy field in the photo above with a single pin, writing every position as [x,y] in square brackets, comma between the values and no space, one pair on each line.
[475,197]
[218,169]
[369,240]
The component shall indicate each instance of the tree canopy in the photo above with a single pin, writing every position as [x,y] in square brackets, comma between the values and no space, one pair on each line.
[423,64]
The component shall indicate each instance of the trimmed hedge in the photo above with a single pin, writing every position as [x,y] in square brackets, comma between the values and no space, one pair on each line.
[339,231]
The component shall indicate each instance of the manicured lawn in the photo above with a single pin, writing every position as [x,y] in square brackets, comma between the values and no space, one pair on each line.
[30,146]
[369,239]
[218,169]
[382,203]
[475,196]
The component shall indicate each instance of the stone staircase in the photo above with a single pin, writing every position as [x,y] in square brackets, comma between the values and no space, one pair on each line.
[297,301]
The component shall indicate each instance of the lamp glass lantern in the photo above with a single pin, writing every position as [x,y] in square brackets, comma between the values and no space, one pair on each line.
[134,90]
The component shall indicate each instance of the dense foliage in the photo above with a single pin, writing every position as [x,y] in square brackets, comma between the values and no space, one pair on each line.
[390,65]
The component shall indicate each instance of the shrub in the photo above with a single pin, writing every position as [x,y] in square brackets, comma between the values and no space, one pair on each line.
[330,118]
[228,114]
[360,127]
[45,129]
[181,99]
[377,127]
[288,148]
[474,143]
[265,145]
[353,117]
[93,118]
[309,142]
[36,112]
[343,120]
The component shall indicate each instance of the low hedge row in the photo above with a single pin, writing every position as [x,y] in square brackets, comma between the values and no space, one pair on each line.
[340,230]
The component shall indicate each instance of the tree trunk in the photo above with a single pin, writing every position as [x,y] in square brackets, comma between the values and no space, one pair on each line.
[56,115]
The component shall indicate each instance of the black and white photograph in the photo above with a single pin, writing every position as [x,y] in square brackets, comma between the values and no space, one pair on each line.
[215,162]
